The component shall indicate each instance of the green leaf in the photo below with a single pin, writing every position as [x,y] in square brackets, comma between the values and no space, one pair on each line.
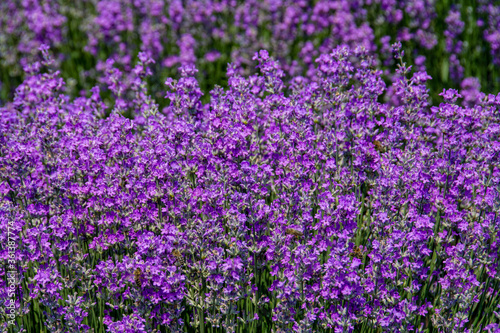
[445,70]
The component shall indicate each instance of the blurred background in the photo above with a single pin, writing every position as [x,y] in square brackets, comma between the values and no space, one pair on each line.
[456,42]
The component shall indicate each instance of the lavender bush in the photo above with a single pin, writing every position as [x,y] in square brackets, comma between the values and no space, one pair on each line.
[451,40]
[285,204]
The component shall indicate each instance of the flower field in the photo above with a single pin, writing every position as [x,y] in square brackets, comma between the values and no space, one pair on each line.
[249,166]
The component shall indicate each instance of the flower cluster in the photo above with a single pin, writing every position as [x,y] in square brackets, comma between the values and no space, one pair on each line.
[301,205]
[101,40]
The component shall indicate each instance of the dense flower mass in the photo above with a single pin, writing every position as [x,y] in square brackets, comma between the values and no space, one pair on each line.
[302,204]
[249,166]
[452,40]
